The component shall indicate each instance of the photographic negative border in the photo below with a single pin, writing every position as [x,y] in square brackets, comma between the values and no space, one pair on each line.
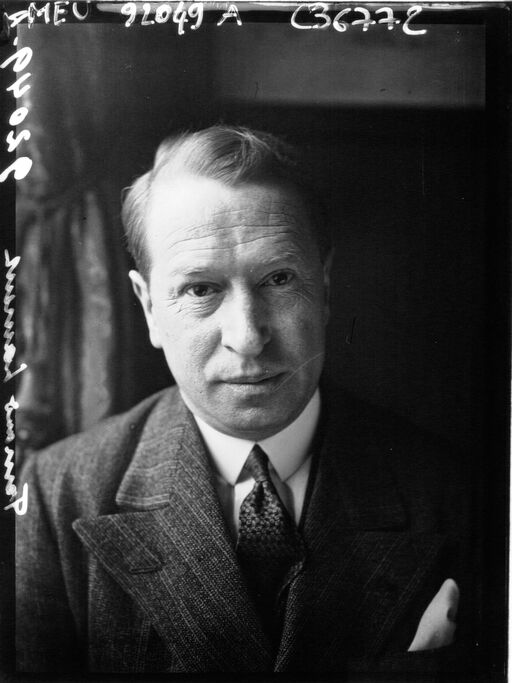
[495,17]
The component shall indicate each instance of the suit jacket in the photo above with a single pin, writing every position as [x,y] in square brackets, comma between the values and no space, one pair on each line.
[125,563]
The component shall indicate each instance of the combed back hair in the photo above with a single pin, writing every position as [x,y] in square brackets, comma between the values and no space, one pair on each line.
[233,156]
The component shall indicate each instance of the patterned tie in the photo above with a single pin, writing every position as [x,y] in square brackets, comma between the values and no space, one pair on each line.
[270,549]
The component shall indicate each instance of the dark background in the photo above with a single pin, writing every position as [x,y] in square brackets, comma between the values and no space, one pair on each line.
[408,139]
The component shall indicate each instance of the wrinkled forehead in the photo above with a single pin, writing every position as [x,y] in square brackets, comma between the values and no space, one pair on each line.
[192,208]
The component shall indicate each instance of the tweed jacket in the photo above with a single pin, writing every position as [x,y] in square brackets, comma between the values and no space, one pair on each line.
[125,563]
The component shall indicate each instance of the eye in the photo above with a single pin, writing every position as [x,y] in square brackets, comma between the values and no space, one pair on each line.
[278,279]
[200,290]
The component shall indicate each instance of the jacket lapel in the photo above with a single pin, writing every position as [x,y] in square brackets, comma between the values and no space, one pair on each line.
[170,550]
[364,569]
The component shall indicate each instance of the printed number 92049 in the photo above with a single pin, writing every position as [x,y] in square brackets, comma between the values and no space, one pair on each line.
[181,14]
[315,16]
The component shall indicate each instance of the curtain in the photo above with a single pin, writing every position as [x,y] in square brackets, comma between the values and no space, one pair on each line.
[74,317]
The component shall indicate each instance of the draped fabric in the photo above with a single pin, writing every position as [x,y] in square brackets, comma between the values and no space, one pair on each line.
[73,316]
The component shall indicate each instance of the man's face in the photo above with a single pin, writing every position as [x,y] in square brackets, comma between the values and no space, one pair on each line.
[237,300]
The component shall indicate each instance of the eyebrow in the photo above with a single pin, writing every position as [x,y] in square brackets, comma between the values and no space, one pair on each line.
[189,272]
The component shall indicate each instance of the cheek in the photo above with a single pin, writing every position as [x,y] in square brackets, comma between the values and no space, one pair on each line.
[305,305]
[187,345]
[301,330]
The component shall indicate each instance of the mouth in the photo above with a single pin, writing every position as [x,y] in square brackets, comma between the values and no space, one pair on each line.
[258,379]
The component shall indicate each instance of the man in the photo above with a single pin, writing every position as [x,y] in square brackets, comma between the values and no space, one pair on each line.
[246,520]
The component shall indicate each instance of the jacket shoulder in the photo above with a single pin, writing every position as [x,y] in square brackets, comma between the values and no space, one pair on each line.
[402,443]
[82,472]
[431,474]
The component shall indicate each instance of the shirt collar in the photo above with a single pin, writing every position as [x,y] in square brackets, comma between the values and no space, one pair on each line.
[287,450]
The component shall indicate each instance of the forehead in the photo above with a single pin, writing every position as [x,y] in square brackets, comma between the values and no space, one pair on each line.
[194,213]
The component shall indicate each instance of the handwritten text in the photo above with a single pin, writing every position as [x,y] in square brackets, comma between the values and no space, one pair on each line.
[315,16]
[52,12]
[22,165]
[9,348]
[19,505]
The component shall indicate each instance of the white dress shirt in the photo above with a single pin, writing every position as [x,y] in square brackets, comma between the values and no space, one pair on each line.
[289,453]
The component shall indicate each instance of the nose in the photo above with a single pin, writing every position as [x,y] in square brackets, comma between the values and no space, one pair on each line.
[245,324]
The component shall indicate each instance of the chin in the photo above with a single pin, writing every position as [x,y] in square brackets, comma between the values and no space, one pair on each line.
[256,424]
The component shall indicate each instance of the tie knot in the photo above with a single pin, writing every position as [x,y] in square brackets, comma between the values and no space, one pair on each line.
[257,464]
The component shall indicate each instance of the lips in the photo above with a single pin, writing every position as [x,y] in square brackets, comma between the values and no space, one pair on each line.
[253,379]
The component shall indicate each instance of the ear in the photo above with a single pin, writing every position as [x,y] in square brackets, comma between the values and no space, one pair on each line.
[327,282]
[141,289]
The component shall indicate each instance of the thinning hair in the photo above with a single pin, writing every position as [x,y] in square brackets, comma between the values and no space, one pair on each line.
[233,156]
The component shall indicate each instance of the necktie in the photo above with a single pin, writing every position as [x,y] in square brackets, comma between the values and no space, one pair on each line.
[270,549]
